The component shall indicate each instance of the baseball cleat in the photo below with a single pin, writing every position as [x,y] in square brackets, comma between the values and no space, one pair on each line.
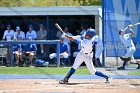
[125,58]
[121,68]
[63,81]
[138,66]
[109,79]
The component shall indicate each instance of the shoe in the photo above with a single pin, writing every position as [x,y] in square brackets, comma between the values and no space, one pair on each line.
[121,68]
[138,66]
[125,58]
[109,79]
[64,81]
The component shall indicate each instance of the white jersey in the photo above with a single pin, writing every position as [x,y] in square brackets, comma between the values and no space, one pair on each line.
[8,35]
[21,35]
[31,35]
[127,40]
[78,40]
[86,45]
[97,40]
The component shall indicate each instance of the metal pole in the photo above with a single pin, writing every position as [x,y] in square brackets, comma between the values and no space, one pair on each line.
[58,53]
[103,53]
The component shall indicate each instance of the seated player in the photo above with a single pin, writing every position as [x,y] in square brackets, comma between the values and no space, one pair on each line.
[29,51]
[17,55]
[63,52]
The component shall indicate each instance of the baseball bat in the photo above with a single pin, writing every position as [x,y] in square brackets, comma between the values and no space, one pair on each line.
[60,29]
[132,25]
[136,24]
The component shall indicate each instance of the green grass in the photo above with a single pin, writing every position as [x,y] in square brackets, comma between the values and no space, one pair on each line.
[40,70]
[134,73]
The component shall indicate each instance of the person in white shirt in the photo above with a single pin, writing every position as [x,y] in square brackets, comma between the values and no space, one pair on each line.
[19,35]
[42,35]
[127,41]
[85,55]
[8,34]
[98,49]
[31,34]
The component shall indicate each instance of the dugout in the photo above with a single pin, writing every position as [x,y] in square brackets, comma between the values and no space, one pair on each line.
[71,16]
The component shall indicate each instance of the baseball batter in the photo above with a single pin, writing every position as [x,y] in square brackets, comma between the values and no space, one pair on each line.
[126,39]
[85,55]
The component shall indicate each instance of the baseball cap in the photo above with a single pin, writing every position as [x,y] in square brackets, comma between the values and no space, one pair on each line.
[30,25]
[9,25]
[41,25]
[17,28]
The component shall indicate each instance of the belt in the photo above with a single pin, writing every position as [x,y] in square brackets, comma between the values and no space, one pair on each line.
[88,53]
[129,46]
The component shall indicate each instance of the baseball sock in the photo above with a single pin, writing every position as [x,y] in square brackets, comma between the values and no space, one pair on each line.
[98,62]
[124,64]
[69,74]
[42,51]
[98,73]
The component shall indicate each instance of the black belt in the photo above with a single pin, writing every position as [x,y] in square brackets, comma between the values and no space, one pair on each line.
[88,53]
[129,46]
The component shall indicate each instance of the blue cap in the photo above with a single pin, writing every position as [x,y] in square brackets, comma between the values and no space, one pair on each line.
[90,32]
[30,25]
[9,25]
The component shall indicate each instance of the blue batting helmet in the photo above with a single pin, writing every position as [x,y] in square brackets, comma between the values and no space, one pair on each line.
[91,32]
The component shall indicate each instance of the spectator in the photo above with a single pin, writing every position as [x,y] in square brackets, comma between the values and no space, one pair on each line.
[8,35]
[18,35]
[66,30]
[83,30]
[31,34]
[42,35]
[29,52]
[18,53]
[63,52]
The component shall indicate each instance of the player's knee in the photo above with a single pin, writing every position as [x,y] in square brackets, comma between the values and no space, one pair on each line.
[65,55]
[93,72]
[53,55]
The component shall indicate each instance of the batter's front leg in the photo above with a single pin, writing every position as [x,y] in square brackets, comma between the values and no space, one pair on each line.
[78,61]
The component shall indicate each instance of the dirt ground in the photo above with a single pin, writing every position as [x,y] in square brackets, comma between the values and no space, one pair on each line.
[74,86]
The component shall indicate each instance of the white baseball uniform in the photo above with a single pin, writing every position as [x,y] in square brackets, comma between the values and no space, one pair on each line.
[85,55]
[21,35]
[99,46]
[31,35]
[128,43]
[8,35]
